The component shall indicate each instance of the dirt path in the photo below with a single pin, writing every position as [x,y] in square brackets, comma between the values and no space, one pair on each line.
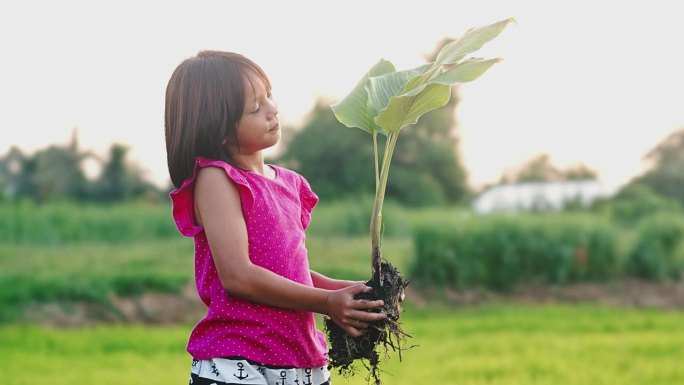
[149,308]
[622,293]
[185,307]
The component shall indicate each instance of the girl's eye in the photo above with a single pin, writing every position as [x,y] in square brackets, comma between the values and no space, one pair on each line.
[269,96]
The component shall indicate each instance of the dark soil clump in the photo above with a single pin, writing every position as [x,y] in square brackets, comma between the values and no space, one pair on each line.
[345,349]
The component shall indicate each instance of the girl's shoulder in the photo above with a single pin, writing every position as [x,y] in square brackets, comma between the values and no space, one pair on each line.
[285,172]
[202,163]
[182,198]
[294,178]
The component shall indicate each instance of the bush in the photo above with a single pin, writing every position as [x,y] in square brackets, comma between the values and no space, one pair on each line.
[636,202]
[657,252]
[500,252]
[25,222]
[351,218]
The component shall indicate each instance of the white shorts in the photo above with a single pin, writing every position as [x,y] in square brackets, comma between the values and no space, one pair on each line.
[231,371]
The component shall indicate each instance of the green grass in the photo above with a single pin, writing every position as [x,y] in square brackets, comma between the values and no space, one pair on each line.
[92,271]
[102,355]
[56,223]
[64,252]
[349,258]
[495,344]
[89,271]
[545,345]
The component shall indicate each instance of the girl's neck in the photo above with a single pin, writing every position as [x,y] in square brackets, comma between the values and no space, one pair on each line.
[252,162]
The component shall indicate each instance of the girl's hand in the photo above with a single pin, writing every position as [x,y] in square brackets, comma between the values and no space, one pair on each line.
[323,282]
[352,315]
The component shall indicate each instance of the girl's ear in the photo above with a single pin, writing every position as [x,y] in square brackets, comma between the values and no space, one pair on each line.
[230,142]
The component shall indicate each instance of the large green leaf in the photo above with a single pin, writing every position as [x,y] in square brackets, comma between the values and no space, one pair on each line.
[418,83]
[406,107]
[352,111]
[386,100]
[465,71]
[381,89]
[404,110]
[454,52]
[471,41]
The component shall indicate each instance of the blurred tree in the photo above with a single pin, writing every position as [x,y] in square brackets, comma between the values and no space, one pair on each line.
[120,180]
[12,179]
[668,151]
[426,167]
[636,202]
[666,173]
[541,169]
[579,172]
[56,173]
[338,161]
[537,169]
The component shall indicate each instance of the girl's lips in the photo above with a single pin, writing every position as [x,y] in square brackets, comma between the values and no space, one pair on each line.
[275,128]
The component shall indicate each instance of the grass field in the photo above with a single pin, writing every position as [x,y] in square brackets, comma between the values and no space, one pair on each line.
[62,254]
[91,271]
[494,344]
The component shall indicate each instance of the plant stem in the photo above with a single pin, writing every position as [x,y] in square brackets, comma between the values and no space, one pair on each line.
[376,218]
[375,152]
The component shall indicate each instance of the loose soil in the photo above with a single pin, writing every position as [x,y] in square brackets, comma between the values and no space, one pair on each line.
[345,350]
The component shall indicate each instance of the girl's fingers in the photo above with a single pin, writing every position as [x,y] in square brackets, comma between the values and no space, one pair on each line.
[364,316]
[353,331]
[359,288]
[356,328]
[358,324]
[366,304]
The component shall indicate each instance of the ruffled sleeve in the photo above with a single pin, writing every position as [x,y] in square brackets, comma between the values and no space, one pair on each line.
[309,200]
[182,198]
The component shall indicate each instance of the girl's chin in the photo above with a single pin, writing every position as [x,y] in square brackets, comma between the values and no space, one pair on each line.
[273,140]
[275,134]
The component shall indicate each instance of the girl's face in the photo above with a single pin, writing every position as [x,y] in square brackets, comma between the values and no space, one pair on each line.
[259,127]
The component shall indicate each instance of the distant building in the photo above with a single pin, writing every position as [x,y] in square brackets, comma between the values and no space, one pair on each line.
[539,196]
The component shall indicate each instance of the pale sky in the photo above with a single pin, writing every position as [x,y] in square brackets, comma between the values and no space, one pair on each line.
[598,82]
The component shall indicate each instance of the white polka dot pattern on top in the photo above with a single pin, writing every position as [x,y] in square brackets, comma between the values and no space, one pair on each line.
[276,214]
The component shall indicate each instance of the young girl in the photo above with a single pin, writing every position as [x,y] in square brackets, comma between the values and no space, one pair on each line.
[248,220]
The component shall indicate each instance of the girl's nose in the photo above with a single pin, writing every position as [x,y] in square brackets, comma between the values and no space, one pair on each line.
[274,108]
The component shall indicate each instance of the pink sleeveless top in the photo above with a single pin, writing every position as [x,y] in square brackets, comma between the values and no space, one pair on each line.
[276,214]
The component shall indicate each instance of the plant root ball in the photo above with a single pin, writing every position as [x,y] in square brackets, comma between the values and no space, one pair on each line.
[345,349]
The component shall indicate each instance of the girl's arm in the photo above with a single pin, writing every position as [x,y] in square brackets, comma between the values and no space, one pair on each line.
[218,210]
[323,282]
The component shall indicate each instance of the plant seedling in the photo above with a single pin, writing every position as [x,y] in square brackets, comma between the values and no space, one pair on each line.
[383,102]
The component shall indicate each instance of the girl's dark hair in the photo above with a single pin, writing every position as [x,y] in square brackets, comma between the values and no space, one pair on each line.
[205,99]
